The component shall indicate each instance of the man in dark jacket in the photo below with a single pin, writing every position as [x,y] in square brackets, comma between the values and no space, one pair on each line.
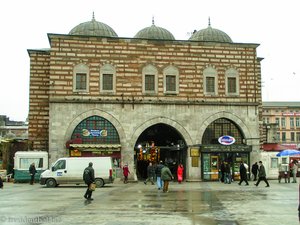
[254,170]
[89,178]
[32,172]
[262,174]
[150,173]
[166,176]
[1,183]
[243,174]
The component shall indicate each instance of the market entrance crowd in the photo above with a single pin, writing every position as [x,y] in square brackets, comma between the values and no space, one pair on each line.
[160,174]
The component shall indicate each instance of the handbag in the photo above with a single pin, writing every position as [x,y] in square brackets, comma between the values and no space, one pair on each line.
[92,187]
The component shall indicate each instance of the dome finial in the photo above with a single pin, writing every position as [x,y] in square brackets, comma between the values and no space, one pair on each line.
[209,21]
[152,20]
[93,19]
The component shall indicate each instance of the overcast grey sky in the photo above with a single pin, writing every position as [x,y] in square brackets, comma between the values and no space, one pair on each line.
[272,24]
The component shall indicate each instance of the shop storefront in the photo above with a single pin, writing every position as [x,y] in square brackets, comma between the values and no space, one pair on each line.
[214,155]
[222,143]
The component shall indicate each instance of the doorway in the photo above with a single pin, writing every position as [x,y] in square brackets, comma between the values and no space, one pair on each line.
[159,142]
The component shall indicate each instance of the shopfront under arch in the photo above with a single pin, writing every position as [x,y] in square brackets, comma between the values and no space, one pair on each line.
[215,155]
[95,136]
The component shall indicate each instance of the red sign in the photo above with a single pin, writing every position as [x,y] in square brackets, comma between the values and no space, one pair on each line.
[291,114]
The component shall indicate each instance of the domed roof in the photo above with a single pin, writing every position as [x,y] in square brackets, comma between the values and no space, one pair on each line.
[210,34]
[93,28]
[154,32]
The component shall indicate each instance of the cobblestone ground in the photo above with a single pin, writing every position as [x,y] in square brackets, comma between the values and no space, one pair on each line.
[189,203]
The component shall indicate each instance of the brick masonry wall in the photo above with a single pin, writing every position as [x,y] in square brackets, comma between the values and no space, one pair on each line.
[38,129]
[129,56]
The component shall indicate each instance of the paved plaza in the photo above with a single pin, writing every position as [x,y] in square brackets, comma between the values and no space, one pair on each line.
[189,203]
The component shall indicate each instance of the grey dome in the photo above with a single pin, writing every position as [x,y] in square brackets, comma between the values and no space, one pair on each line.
[93,28]
[154,32]
[210,34]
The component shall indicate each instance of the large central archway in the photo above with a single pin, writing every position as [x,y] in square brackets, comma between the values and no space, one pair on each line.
[159,142]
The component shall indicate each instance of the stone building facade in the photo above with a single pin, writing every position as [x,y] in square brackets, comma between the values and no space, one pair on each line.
[156,98]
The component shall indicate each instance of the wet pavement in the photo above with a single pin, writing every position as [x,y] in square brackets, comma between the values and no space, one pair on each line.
[189,203]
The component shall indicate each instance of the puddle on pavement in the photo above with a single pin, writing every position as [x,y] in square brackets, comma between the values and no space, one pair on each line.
[143,206]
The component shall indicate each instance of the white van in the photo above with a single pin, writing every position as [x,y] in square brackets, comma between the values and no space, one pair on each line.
[22,161]
[70,171]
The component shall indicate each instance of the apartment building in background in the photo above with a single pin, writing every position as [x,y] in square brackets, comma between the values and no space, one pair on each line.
[285,117]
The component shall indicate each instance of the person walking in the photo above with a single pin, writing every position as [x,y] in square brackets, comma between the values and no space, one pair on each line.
[159,181]
[150,174]
[32,172]
[261,174]
[89,178]
[180,170]
[254,170]
[243,173]
[227,173]
[1,183]
[166,176]
[222,171]
[126,172]
[295,171]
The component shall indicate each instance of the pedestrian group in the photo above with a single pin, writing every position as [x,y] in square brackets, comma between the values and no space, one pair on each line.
[257,170]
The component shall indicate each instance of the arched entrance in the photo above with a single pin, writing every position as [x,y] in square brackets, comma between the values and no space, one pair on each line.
[215,155]
[159,142]
[95,136]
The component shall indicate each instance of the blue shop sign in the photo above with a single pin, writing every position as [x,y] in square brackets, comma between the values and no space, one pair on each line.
[226,140]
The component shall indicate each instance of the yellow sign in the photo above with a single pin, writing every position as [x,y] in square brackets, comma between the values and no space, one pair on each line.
[75,153]
[195,152]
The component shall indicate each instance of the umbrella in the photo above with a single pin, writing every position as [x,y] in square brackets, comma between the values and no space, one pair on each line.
[288,152]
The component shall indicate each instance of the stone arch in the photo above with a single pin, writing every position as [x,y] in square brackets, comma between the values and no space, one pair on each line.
[219,115]
[143,126]
[97,112]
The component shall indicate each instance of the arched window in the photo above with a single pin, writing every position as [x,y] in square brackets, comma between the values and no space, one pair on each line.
[232,82]
[95,130]
[108,79]
[81,78]
[221,127]
[150,82]
[210,85]
[171,80]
